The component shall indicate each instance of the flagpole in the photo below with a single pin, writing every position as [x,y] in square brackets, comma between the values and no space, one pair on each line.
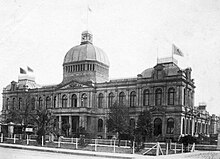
[172,52]
[157,54]
[87,21]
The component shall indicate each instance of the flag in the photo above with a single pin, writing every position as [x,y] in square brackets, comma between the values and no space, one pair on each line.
[29,69]
[177,51]
[89,9]
[22,71]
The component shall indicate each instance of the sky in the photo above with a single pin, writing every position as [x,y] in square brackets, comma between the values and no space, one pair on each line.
[133,33]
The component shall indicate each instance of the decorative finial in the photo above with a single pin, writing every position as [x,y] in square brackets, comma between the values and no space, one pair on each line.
[86,37]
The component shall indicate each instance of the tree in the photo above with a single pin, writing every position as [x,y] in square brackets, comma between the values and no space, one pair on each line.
[118,119]
[21,116]
[144,127]
[41,118]
[186,140]
[44,121]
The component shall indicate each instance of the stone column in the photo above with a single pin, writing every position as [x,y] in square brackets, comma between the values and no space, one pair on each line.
[180,95]
[218,144]
[105,100]
[105,129]
[138,101]
[60,124]
[91,99]
[70,122]
[127,98]
[165,96]
[185,126]
[59,101]
[68,100]
[83,122]
[78,100]
[116,98]
[164,125]
[152,96]
[193,92]
[193,126]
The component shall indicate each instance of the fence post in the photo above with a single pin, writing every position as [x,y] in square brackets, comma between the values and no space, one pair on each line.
[175,148]
[193,147]
[95,144]
[14,138]
[114,146]
[126,143]
[27,140]
[1,137]
[188,147]
[59,141]
[157,151]
[182,148]
[133,147]
[76,143]
[42,141]
[71,140]
[167,149]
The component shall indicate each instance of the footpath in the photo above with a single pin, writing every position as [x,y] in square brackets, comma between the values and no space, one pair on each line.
[196,154]
[75,152]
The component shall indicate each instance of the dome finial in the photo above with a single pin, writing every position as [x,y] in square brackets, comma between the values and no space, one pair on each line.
[86,37]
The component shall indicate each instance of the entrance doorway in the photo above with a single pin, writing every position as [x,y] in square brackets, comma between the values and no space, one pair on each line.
[75,125]
[157,127]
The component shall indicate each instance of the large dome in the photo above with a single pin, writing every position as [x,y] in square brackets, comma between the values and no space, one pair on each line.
[86,62]
[86,52]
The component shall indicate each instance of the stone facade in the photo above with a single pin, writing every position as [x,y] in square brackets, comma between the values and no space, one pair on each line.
[86,93]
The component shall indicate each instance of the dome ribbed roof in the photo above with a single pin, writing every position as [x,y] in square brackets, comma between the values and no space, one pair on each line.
[86,52]
[147,73]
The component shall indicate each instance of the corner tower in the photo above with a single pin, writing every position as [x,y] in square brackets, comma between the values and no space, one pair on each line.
[86,62]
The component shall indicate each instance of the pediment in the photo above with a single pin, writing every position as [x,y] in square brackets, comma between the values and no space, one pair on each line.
[159,67]
[74,85]
[157,110]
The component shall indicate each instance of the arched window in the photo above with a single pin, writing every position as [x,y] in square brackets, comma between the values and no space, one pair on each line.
[48,102]
[32,104]
[122,98]
[187,126]
[158,97]
[13,104]
[100,100]
[19,103]
[171,92]
[199,127]
[64,101]
[184,98]
[146,97]
[132,123]
[190,127]
[133,99]
[7,104]
[40,102]
[195,127]
[84,100]
[183,128]
[100,125]
[74,101]
[188,101]
[54,101]
[110,99]
[157,127]
[170,126]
